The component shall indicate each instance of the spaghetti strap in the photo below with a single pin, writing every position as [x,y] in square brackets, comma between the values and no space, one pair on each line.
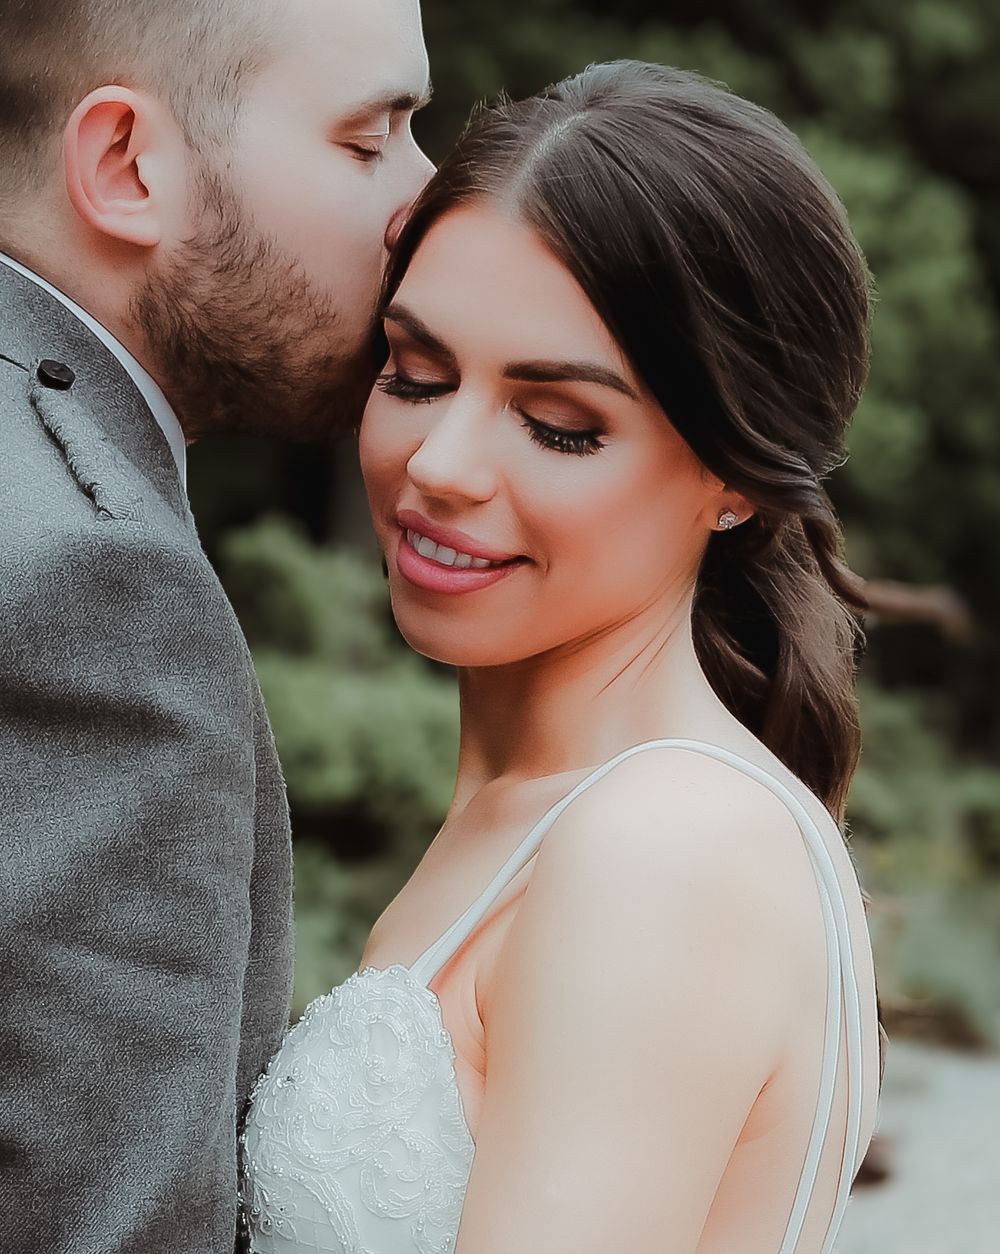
[843,1002]
[446,946]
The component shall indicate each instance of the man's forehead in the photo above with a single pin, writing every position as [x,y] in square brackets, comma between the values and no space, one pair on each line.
[371,53]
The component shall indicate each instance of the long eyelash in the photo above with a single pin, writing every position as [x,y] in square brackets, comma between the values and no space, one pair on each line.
[576,443]
[409,389]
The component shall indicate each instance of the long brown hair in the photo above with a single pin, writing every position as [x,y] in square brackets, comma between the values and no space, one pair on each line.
[722,262]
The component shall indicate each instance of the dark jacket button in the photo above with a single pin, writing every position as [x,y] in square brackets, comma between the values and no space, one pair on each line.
[53,374]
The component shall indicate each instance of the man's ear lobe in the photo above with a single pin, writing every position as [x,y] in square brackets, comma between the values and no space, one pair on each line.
[110,153]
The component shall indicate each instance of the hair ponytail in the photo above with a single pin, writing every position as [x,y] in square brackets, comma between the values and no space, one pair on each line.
[777,633]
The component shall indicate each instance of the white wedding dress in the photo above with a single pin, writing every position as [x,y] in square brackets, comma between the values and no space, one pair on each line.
[356,1141]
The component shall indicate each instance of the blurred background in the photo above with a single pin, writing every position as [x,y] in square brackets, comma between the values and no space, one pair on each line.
[899,101]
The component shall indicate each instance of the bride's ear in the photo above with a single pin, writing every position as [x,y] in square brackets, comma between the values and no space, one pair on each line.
[730,512]
[725,507]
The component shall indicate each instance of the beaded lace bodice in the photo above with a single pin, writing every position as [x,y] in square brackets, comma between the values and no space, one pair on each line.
[356,1140]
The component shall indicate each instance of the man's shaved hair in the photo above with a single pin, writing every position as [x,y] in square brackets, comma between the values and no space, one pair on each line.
[195,55]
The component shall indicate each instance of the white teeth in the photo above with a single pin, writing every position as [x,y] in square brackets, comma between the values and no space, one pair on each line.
[447,557]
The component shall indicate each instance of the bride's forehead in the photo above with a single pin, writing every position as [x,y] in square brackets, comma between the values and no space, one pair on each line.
[481,269]
[490,231]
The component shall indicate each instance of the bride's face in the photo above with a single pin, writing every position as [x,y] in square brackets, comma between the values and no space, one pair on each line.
[508,425]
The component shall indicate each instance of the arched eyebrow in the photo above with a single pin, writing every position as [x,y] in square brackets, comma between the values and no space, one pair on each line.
[569,372]
[418,330]
[523,371]
[389,102]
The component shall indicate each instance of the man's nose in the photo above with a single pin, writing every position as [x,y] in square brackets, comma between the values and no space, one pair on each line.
[425,172]
[395,227]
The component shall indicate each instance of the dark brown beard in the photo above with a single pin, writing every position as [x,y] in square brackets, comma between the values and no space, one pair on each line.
[243,342]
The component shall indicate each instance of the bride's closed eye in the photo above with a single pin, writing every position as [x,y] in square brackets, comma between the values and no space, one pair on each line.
[398,385]
[561,440]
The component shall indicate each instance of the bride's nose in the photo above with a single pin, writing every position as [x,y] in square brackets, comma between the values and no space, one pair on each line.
[453,459]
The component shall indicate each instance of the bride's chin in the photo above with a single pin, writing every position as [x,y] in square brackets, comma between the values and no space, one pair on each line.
[460,654]
[434,650]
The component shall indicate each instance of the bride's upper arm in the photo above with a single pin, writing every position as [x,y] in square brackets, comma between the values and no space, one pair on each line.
[635,1011]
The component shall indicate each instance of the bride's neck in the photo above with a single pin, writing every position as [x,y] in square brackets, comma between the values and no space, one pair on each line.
[573,708]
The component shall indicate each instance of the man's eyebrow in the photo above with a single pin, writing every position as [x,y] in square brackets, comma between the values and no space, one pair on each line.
[390,102]
[569,372]
[418,330]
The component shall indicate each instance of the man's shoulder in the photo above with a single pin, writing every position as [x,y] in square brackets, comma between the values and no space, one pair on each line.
[82,525]
[59,468]
[83,595]
[95,571]
[63,390]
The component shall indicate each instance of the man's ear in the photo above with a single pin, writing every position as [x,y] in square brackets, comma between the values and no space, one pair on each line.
[120,150]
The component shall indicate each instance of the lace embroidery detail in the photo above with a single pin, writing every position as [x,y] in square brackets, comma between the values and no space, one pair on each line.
[356,1141]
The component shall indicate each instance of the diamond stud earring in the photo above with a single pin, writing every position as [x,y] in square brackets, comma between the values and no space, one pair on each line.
[728,520]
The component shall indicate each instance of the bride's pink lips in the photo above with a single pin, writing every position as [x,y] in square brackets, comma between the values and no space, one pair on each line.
[425,573]
[451,537]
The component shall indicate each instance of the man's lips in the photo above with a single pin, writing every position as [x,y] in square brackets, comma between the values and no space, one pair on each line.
[450,537]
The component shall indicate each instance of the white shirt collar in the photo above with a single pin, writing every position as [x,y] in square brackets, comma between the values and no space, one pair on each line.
[151,391]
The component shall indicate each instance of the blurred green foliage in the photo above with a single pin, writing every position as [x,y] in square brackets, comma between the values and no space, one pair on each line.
[925,828]
[365,728]
[899,103]
[368,734]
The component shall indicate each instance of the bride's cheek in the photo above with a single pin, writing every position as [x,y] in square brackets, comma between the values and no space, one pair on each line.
[370,454]
[383,461]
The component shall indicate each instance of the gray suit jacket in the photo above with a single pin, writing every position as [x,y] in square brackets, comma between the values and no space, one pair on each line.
[145,896]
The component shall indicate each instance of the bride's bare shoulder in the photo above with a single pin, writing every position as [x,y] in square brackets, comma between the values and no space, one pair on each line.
[675,804]
[674,847]
[659,897]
